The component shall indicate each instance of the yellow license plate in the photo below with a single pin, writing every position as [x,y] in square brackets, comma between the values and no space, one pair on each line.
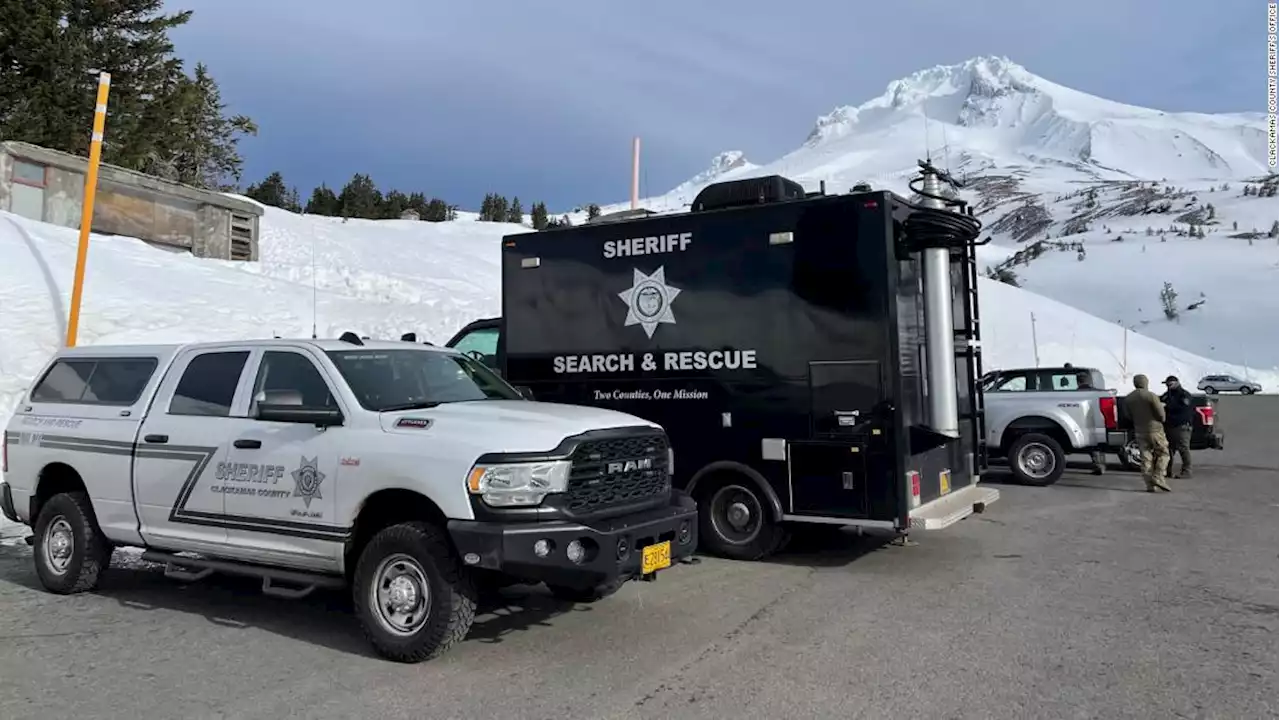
[655,557]
[944,481]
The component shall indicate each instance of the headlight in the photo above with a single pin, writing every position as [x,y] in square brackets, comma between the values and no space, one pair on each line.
[518,484]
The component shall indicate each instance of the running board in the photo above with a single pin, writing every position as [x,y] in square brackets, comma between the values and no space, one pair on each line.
[192,569]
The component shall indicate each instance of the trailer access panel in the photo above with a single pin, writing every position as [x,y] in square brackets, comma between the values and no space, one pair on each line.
[782,345]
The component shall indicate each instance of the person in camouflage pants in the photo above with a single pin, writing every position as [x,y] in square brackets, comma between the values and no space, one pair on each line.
[1148,424]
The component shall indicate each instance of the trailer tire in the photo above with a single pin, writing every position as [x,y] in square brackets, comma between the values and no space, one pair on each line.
[1037,459]
[734,520]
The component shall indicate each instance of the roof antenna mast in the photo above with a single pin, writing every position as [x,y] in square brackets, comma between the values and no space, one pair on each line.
[314,304]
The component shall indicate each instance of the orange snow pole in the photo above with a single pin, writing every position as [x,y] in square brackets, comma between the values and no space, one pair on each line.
[86,210]
[635,172]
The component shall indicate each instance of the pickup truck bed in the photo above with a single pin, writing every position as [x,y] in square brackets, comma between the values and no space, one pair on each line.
[1035,417]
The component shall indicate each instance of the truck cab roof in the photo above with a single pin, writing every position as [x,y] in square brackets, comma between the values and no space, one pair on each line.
[165,350]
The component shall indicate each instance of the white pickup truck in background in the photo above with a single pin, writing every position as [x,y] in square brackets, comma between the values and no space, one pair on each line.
[410,473]
[1035,417]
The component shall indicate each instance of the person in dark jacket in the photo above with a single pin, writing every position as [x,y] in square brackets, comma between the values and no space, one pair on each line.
[1179,414]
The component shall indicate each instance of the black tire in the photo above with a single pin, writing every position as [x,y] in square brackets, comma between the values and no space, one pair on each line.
[67,522]
[585,595]
[1033,451]
[722,528]
[1246,390]
[418,554]
[1129,456]
[1210,390]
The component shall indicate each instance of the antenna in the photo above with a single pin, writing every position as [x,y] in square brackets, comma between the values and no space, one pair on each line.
[927,156]
[314,304]
[946,150]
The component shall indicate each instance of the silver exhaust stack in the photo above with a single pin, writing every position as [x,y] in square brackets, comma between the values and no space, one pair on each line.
[939,324]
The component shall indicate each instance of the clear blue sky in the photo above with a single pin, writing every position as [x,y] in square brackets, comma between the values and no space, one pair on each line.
[541,99]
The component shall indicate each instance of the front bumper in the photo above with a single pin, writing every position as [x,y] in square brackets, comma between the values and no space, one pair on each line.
[6,503]
[614,546]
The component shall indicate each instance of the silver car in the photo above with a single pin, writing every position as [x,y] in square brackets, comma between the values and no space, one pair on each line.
[1212,384]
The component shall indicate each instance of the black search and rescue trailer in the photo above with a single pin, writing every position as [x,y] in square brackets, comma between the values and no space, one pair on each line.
[784,341]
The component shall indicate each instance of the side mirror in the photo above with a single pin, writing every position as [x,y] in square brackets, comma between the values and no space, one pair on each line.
[525,391]
[318,416]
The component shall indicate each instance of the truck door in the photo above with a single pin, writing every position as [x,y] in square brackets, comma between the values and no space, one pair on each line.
[178,474]
[285,474]
[480,340]
[838,471]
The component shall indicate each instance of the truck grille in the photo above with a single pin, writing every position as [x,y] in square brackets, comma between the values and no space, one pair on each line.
[618,471]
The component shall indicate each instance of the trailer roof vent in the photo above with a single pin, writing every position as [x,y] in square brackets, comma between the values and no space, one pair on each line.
[620,216]
[752,191]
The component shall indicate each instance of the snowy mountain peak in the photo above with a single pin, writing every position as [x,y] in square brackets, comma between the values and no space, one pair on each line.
[985,91]
[728,162]
[991,112]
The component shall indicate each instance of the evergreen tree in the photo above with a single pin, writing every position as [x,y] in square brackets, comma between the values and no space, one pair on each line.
[292,202]
[271,191]
[394,205]
[437,211]
[1275,229]
[593,211]
[205,154]
[515,213]
[360,198]
[159,120]
[323,202]
[538,216]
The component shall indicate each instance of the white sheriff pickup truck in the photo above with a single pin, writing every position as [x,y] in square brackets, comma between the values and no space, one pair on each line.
[412,474]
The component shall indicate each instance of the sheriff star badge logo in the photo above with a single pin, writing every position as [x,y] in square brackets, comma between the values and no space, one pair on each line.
[306,481]
[649,300]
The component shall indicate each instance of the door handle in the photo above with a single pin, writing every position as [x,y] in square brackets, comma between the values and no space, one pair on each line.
[159,439]
[247,444]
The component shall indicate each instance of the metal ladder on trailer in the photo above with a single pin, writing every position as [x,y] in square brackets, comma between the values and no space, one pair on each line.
[971,336]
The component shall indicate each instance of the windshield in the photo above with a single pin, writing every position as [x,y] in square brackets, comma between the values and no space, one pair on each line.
[385,380]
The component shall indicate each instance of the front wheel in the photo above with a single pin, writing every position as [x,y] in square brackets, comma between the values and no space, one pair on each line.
[1246,390]
[734,521]
[1037,459]
[414,599]
[70,550]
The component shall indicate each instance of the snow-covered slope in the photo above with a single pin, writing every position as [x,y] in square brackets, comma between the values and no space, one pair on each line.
[1042,162]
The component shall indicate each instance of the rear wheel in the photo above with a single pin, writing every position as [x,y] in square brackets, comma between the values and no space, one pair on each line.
[1037,459]
[70,550]
[734,521]
[1210,390]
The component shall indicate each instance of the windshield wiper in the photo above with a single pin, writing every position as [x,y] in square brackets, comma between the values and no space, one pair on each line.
[419,405]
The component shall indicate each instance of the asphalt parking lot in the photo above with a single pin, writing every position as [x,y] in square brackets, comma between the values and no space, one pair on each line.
[1089,599]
